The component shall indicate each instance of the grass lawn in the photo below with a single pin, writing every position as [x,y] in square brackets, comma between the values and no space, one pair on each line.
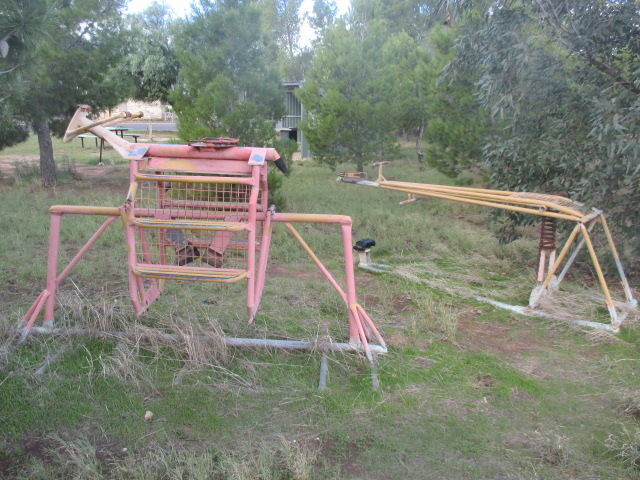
[467,391]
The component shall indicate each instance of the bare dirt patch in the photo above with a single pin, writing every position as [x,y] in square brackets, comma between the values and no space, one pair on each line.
[500,338]
[306,274]
[522,347]
[347,456]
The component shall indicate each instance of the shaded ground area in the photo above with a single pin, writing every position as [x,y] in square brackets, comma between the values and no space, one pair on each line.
[8,166]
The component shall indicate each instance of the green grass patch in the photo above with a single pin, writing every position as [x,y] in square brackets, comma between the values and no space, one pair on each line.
[467,390]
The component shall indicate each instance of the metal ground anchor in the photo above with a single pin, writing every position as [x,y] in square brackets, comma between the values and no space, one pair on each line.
[363,247]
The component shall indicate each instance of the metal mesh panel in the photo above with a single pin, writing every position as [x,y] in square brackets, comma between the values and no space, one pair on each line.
[194,198]
[190,200]
[197,248]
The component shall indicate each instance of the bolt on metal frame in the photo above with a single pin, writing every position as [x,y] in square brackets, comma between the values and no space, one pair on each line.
[542,205]
[199,212]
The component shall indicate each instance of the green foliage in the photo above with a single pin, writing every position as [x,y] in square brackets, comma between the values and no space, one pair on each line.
[410,61]
[83,42]
[73,66]
[152,64]
[23,26]
[412,17]
[379,73]
[323,16]
[286,149]
[227,86]
[347,95]
[560,80]
[444,111]
[281,23]
[274,181]
[456,124]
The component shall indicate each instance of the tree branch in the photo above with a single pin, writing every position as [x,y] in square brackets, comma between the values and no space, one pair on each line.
[556,24]
[614,74]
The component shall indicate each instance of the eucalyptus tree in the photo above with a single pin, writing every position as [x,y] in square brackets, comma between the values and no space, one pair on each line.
[413,17]
[561,80]
[226,85]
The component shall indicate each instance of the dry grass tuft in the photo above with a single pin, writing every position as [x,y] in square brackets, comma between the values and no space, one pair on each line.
[626,447]
[551,448]
[437,317]
[197,346]
[298,458]
[125,364]
[202,345]
[8,335]
[78,459]
[107,314]
[631,404]
[601,337]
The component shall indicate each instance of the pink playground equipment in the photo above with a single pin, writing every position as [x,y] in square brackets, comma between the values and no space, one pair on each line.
[199,212]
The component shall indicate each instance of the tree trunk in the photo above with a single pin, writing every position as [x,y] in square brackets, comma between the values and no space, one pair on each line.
[360,165]
[47,163]
[419,151]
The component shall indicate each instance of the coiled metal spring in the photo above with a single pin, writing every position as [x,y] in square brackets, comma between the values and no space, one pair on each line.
[548,233]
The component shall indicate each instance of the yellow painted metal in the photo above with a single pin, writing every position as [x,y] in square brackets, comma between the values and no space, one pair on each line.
[596,264]
[204,275]
[133,189]
[460,194]
[532,203]
[311,218]
[190,224]
[112,120]
[614,251]
[612,246]
[303,244]
[563,253]
[532,211]
[193,179]
[85,210]
[587,218]
[450,187]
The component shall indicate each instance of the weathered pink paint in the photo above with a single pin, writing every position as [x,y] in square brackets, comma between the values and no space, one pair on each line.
[217,191]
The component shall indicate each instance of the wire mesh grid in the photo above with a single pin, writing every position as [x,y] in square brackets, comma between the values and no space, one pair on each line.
[188,247]
[192,197]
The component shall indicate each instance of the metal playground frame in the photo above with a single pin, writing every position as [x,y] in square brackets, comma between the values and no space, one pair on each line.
[199,212]
[550,208]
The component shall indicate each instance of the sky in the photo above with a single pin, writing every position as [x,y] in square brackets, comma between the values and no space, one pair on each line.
[182,7]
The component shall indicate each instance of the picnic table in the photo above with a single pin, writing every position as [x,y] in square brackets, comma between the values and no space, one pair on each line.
[118,131]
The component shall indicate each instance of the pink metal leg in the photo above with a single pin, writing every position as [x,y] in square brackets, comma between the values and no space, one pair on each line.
[52,267]
[265,245]
[251,248]
[350,280]
[134,289]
